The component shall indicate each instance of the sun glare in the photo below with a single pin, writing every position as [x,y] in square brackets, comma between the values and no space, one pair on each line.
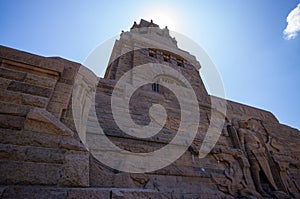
[163,17]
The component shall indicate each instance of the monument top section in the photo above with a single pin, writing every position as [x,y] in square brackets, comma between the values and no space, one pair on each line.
[144,23]
[153,32]
[148,35]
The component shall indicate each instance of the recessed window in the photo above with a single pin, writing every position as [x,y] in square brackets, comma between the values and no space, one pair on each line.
[179,62]
[152,53]
[166,58]
[155,87]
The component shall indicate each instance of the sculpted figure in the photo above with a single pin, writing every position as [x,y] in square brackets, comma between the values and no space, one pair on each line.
[256,154]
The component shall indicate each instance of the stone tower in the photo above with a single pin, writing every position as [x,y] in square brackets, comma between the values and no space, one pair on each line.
[147,43]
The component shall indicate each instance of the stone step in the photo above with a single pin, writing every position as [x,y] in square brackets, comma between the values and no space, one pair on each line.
[22,98]
[38,139]
[50,192]
[10,152]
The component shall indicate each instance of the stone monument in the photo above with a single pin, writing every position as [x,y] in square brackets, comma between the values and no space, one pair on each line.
[48,150]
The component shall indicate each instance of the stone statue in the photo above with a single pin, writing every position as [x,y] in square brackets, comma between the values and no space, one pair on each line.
[235,180]
[257,156]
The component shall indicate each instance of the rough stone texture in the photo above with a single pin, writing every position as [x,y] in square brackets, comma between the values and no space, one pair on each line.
[42,154]
[45,192]
[40,120]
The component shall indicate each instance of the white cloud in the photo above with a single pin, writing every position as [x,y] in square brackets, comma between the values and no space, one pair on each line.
[293,27]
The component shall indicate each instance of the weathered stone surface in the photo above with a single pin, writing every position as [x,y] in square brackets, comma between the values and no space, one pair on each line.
[75,170]
[10,152]
[40,81]
[45,192]
[13,109]
[41,120]
[38,139]
[21,98]
[105,177]
[35,101]
[63,89]
[42,155]
[132,193]
[10,96]
[29,192]
[31,165]
[23,59]
[30,89]
[11,122]
[92,193]
[12,74]
[29,173]
[4,83]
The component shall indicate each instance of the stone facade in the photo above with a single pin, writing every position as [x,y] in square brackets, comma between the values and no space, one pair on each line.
[43,152]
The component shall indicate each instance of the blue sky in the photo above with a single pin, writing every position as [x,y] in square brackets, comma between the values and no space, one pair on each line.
[243,38]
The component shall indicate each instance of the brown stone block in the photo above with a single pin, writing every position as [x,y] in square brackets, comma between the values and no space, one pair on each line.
[35,101]
[43,166]
[29,192]
[10,96]
[71,143]
[13,109]
[103,176]
[70,68]
[69,122]
[29,89]
[182,185]
[133,145]
[75,170]
[216,195]
[21,98]
[40,120]
[28,138]
[135,193]
[12,74]
[188,171]
[91,193]
[70,71]
[62,87]
[29,173]
[4,83]
[55,108]
[52,192]
[40,81]
[20,58]
[11,122]
[61,97]
[33,69]
[9,152]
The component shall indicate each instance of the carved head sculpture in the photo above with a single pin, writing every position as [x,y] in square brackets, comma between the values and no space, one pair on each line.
[243,124]
[255,125]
